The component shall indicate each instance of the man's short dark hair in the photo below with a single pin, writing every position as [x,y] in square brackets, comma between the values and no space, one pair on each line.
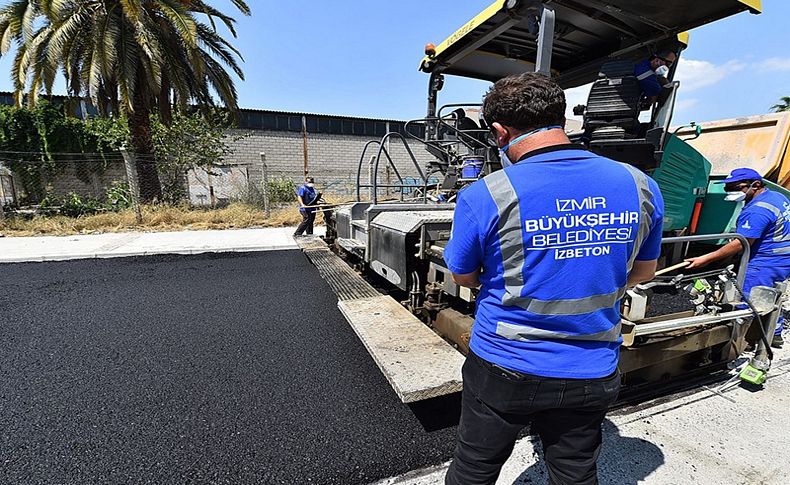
[525,102]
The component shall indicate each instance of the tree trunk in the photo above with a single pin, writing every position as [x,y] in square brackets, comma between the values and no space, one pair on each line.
[140,130]
[164,106]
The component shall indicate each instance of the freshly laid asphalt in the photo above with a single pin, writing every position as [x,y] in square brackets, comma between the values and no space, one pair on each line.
[232,368]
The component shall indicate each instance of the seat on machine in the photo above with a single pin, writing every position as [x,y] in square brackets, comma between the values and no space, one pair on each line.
[611,118]
[613,105]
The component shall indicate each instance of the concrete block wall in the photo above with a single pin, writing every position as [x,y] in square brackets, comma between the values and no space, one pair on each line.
[87,179]
[332,159]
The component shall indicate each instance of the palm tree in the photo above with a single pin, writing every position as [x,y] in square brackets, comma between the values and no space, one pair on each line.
[783,106]
[129,56]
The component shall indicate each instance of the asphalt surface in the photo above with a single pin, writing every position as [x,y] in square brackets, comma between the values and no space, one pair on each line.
[233,368]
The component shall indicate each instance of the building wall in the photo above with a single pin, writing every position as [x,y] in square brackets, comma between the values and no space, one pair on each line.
[87,179]
[332,159]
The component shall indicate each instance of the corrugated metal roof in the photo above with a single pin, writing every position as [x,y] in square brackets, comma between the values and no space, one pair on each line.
[7,97]
[307,113]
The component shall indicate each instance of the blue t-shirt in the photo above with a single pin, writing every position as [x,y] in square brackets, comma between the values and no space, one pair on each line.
[308,197]
[647,79]
[555,235]
[766,218]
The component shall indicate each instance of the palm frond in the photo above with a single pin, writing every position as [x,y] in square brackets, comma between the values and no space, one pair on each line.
[181,20]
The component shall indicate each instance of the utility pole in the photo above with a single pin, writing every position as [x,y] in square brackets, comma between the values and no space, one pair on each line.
[304,143]
[265,175]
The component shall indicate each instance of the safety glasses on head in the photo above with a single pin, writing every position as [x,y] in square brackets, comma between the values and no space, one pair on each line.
[736,186]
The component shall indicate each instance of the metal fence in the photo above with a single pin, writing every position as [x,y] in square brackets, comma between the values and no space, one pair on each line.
[81,183]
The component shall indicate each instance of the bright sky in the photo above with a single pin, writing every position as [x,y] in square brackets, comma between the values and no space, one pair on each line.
[355,57]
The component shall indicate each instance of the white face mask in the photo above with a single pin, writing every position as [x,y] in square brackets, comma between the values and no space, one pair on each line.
[503,151]
[662,71]
[738,195]
[310,184]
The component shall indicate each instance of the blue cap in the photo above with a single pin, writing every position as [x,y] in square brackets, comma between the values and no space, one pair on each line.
[740,174]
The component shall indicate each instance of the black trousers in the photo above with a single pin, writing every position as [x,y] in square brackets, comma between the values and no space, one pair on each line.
[308,218]
[498,403]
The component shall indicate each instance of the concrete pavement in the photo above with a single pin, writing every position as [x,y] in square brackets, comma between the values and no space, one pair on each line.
[738,437]
[61,248]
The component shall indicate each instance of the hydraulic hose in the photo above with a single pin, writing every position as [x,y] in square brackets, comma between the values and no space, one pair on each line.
[763,337]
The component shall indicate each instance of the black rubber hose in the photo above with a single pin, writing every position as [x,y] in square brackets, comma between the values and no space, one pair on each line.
[763,337]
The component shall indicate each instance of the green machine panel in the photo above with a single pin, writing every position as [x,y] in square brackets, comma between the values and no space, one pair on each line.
[682,177]
[718,215]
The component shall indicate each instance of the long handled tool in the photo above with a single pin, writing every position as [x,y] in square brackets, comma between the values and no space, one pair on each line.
[320,206]
[672,268]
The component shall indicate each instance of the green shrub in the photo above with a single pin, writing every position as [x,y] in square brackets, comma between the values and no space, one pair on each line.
[119,196]
[74,205]
[282,190]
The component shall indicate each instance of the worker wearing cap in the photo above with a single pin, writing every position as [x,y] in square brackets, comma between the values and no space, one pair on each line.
[765,223]
[553,240]
[307,197]
[652,73]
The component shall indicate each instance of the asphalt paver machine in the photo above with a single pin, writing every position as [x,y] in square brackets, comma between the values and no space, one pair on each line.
[396,231]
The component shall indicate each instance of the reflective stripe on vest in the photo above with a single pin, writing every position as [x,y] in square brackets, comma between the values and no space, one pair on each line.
[646,209]
[645,75]
[523,333]
[780,226]
[511,241]
[512,248]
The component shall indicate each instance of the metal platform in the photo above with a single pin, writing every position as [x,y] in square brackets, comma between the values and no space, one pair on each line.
[417,362]
[343,280]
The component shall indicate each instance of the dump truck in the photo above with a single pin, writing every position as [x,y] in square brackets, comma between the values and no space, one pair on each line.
[761,142]
[402,301]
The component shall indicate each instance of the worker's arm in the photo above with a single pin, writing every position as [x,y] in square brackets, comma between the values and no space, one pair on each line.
[470,280]
[752,223]
[301,202]
[642,271]
[649,83]
[464,251]
[730,249]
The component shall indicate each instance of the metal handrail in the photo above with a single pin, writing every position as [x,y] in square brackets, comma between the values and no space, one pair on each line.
[389,159]
[394,134]
[359,167]
[710,237]
[460,133]
[463,137]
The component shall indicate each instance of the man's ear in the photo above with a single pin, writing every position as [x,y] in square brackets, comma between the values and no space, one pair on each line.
[501,133]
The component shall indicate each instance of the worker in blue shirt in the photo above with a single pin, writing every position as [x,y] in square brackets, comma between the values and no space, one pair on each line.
[552,240]
[652,73]
[307,196]
[765,222]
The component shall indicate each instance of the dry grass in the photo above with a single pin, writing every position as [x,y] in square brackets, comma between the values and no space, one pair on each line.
[155,218]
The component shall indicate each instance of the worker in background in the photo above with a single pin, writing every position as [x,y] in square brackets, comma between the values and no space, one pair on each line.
[652,74]
[553,240]
[307,196]
[765,223]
